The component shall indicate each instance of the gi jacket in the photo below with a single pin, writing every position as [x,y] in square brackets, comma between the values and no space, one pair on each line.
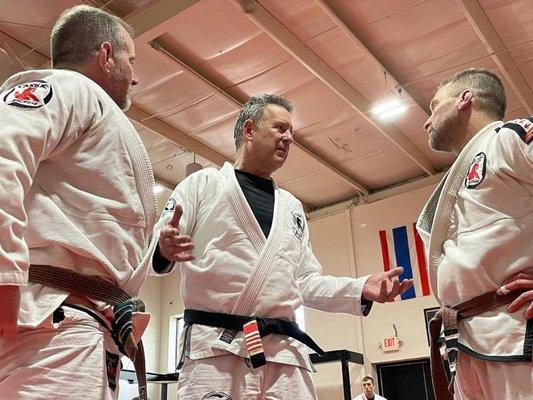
[239,271]
[76,190]
[478,226]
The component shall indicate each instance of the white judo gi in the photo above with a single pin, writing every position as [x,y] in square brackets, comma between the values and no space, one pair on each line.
[76,193]
[363,397]
[478,227]
[239,271]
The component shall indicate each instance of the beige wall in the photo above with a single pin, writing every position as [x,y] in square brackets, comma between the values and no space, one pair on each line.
[347,244]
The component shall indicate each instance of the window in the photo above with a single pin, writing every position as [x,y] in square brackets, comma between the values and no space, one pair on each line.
[174,337]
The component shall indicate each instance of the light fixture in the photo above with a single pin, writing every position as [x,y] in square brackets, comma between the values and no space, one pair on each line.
[192,167]
[392,105]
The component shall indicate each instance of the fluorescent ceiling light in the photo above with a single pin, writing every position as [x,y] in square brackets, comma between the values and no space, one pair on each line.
[392,112]
[389,108]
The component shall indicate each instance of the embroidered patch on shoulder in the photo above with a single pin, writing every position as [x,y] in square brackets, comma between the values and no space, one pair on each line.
[476,171]
[170,205]
[298,221]
[32,94]
[216,396]
[523,127]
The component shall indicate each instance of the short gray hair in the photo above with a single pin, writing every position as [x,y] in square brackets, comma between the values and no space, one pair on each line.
[254,110]
[487,87]
[79,32]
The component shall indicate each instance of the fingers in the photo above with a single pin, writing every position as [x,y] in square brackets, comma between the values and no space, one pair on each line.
[520,275]
[405,285]
[175,220]
[393,292]
[520,301]
[394,272]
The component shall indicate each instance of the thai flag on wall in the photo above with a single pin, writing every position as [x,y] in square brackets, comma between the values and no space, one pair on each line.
[402,246]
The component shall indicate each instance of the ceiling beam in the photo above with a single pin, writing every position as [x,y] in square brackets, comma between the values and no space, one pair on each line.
[298,49]
[175,135]
[348,29]
[22,55]
[156,18]
[481,24]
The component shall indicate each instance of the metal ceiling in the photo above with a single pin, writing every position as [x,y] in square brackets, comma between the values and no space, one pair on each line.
[199,60]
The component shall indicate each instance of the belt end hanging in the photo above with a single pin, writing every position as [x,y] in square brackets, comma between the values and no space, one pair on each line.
[254,344]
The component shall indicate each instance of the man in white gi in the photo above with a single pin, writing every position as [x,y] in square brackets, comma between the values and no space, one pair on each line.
[478,227]
[252,258]
[77,194]
[369,391]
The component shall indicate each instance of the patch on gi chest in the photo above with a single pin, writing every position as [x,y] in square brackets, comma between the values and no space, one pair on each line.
[170,205]
[476,171]
[298,224]
[216,396]
[523,127]
[32,94]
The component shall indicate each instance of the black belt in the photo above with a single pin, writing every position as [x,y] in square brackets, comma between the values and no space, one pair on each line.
[266,326]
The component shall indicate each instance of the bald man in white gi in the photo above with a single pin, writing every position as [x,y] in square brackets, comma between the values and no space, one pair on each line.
[252,260]
[478,227]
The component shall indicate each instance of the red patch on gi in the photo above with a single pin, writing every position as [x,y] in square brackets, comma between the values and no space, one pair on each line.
[32,94]
[476,171]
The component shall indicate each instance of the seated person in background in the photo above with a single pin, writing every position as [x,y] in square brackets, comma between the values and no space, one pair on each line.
[368,390]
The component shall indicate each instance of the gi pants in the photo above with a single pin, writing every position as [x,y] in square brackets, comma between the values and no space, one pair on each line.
[64,360]
[492,380]
[229,377]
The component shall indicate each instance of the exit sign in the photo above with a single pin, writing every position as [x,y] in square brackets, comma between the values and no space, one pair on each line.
[390,344]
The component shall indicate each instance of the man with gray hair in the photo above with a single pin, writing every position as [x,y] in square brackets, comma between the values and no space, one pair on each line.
[477,227]
[250,268]
[77,212]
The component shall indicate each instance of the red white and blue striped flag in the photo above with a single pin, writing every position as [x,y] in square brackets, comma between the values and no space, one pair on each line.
[402,246]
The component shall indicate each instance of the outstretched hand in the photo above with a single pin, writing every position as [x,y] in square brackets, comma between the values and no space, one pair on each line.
[172,245]
[521,281]
[385,286]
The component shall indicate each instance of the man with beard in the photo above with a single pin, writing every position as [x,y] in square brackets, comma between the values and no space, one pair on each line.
[77,197]
[251,268]
[369,391]
[478,227]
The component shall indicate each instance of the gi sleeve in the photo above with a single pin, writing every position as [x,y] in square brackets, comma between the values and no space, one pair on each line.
[329,293]
[37,122]
[187,194]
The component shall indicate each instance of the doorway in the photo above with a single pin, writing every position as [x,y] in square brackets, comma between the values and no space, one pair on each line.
[407,380]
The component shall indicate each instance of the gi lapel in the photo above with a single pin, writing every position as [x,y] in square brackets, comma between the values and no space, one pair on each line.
[448,197]
[266,248]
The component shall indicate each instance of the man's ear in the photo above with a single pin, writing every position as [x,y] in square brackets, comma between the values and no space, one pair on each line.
[248,128]
[105,57]
[466,100]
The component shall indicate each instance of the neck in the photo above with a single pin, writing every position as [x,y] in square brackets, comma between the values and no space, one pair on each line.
[476,123]
[242,164]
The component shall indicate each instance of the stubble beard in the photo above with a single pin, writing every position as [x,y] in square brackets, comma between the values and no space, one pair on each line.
[121,89]
[445,133]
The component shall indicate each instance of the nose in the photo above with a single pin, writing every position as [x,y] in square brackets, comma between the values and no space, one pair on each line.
[134,80]
[427,124]
[288,137]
